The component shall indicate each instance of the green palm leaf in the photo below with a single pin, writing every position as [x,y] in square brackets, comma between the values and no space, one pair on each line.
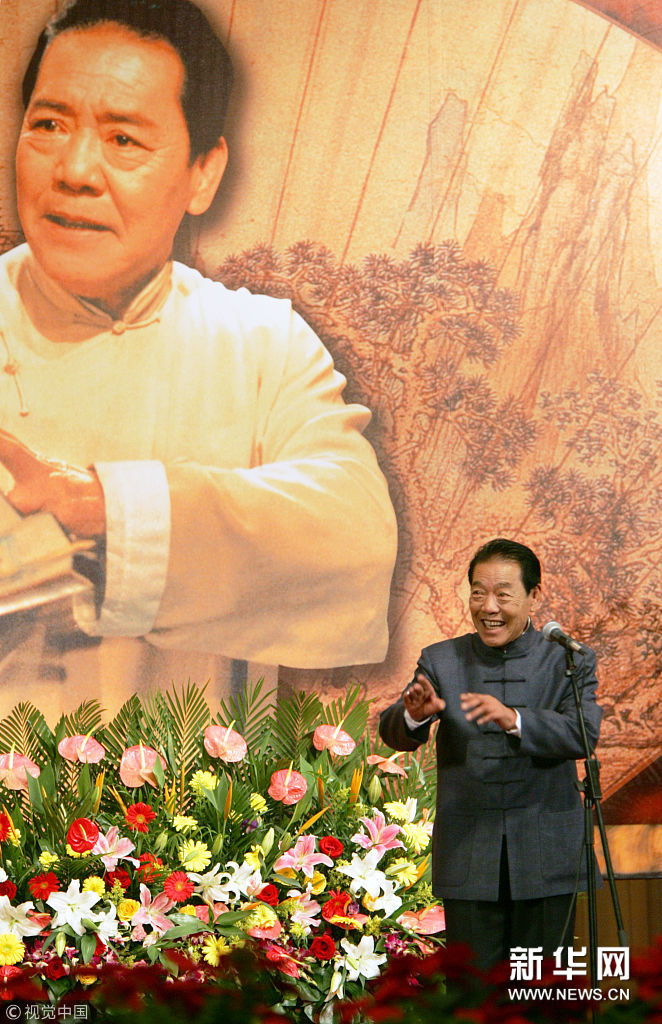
[25,730]
[251,711]
[83,721]
[124,730]
[294,718]
[188,716]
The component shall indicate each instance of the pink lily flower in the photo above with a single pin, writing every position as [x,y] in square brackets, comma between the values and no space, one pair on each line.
[14,770]
[112,849]
[333,738]
[306,911]
[137,766]
[152,912]
[227,744]
[287,785]
[302,857]
[81,748]
[379,836]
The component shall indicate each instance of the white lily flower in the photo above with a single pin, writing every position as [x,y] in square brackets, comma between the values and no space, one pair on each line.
[107,922]
[388,901]
[72,906]
[16,920]
[364,874]
[361,960]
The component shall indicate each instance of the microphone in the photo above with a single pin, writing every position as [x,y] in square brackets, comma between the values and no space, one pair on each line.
[553,632]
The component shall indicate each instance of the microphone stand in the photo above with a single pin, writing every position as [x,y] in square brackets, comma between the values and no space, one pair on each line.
[590,787]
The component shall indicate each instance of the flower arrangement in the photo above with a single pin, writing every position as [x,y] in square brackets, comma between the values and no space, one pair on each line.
[173,838]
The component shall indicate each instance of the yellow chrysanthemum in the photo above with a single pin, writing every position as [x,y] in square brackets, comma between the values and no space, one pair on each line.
[203,780]
[262,916]
[194,856]
[126,909]
[318,883]
[213,949]
[184,823]
[47,859]
[258,803]
[416,837]
[12,950]
[397,810]
[95,884]
[188,909]
[403,870]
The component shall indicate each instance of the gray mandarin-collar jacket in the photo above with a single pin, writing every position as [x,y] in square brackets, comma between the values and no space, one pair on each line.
[491,784]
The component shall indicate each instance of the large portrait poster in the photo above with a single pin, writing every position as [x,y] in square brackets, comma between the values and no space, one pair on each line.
[463,200]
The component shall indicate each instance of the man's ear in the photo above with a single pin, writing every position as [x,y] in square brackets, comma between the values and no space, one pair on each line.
[208,169]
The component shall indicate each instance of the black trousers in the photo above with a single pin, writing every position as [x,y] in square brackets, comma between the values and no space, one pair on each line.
[491,928]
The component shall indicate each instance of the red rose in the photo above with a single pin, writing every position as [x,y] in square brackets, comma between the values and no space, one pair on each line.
[269,894]
[323,947]
[54,969]
[336,905]
[7,888]
[82,835]
[331,846]
[120,875]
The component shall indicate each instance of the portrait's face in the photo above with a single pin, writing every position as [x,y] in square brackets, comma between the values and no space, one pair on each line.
[500,606]
[102,164]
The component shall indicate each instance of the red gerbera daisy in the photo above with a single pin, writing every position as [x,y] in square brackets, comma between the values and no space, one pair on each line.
[178,886]
[41,886]
[138,816]
[6,826]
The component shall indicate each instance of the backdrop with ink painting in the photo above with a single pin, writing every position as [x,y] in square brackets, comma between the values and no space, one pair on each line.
[464,201]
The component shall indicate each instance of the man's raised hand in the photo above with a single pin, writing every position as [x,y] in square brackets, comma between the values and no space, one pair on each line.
[421,699]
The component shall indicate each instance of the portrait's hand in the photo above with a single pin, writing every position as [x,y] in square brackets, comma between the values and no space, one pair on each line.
[421,699]
[73,495]
[483,708]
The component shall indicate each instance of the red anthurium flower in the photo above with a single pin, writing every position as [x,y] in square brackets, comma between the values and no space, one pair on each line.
[331,846]
[387,764]
[287,785]
[81,748]
[14,770]
[138,816]
[285,963]
[41,886]
[82,835]
[178,886]
[137,766]
[225,743]
[333,738]
[323,947]
[425,922]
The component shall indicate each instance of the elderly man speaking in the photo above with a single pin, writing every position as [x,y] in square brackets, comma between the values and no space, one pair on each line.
[197,434]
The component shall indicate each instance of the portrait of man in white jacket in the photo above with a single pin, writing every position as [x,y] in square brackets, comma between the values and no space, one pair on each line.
[197,435]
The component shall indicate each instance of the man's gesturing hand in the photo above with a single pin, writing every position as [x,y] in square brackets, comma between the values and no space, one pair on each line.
[73,495]
[483,708]
[421,698]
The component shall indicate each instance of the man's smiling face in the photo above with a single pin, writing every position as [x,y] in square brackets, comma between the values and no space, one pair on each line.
[499,604]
